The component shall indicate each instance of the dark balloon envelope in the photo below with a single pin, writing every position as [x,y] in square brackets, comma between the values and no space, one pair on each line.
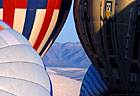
[40,21]
[109,31]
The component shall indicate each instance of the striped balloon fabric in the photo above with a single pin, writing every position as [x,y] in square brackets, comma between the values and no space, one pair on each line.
[40,21]
[92,84]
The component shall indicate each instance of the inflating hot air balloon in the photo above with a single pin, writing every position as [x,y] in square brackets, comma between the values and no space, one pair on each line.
[40,21]
[22,71]
[109,31]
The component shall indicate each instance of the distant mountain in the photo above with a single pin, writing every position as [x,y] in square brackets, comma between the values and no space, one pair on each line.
[67,55]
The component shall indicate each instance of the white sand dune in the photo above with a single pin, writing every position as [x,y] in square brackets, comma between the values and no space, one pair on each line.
[63,85]
[72,73]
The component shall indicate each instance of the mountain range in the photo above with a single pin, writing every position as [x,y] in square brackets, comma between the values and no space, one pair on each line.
[68,55]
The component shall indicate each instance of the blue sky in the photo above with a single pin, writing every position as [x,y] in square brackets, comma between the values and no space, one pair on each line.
[68,32]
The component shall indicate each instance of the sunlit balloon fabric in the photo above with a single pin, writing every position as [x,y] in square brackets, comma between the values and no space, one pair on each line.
[40,21]
[22,71]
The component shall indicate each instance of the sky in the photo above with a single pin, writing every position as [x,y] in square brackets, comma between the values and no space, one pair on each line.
[68,32]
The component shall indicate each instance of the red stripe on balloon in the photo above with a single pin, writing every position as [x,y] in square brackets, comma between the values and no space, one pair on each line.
[22,4]
[46,23]
[8,4]
[8,11]
[57,5]
[51,4]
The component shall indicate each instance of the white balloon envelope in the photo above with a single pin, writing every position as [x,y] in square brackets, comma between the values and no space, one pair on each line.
[22,71]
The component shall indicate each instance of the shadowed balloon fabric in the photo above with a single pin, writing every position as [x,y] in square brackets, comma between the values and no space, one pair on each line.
[40,21]
[22,71]
[109,31]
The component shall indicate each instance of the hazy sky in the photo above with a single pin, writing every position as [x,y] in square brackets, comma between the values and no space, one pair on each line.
[68,33]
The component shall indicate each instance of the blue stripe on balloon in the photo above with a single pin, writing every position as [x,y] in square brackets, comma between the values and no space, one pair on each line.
[1,3]
[30,17]
[29,21]
[47,43]
[32,6]
[37,4]
[92,68]
[42,4]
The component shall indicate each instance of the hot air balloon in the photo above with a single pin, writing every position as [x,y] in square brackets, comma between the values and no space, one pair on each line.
[40,21]
[22,71]
[92,84]
[109,31]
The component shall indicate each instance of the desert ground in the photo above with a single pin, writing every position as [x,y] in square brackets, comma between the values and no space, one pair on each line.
[66,81]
